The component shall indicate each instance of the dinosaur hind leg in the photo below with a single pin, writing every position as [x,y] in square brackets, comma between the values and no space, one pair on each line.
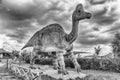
[32,60]
[75,62]
[61,63]
[73,58]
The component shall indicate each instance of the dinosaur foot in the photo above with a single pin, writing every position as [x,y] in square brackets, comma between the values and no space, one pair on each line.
[78,69]
[63,72]
[39,68]
[55,68]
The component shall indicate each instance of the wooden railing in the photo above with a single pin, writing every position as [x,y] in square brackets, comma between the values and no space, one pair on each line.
[40,73]
[25,73]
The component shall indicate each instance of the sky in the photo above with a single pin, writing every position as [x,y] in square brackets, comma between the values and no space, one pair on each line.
[20,19]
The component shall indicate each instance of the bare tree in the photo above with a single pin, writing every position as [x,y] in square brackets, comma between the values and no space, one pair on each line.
[116,45]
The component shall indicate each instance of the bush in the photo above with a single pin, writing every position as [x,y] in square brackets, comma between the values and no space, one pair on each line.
[95,64]
[44,61]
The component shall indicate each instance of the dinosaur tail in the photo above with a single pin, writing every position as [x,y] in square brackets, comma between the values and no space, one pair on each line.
[27,45]
[31,41]
[23,47]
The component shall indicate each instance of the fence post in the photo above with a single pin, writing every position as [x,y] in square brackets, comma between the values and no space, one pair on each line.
[7,63]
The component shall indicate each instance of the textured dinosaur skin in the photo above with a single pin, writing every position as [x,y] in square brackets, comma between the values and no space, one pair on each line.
[51,36]
[54,38]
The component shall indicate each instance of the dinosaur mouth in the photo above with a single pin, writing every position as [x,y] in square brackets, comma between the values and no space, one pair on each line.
[88,15]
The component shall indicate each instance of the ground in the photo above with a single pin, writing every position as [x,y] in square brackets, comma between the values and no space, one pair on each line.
[102,75]
[4,75]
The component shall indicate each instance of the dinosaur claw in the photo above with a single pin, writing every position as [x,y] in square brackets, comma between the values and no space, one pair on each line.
[78,68]
[55,68]
[63,72]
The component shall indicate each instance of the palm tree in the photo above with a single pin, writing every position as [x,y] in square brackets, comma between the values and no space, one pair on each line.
[97,50]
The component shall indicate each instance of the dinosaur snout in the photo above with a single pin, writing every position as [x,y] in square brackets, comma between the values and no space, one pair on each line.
[88,15]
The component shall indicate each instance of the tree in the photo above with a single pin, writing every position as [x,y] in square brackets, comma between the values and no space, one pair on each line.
[116,45]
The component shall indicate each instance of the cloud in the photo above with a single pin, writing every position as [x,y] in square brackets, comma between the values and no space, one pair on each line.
[92,39]
[20,19]
[95,2]
[19,36]
[8,44]
[104,23]
[89,36]
[17,16]
[104,18]
[113,28]
[95,28]
[17,30]
[98,2]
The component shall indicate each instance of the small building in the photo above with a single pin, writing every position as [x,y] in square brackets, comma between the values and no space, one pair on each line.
[4,53]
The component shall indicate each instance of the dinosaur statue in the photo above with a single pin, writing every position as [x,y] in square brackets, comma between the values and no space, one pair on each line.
[54,38]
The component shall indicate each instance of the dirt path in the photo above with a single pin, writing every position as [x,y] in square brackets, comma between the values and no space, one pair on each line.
[103,75]
[97,73]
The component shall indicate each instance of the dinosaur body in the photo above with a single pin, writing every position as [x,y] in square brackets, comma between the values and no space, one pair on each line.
[50,38]
[54,38]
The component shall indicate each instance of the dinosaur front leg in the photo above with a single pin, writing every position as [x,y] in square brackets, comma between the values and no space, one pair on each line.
[61,63]
[32,61]
[75,62]
[55,63]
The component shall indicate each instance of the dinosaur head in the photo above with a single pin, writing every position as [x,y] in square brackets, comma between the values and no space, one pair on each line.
[80,14]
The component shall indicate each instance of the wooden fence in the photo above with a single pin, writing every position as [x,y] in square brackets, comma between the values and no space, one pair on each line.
[25,73]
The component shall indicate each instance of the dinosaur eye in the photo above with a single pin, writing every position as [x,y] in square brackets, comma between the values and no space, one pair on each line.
[79,11]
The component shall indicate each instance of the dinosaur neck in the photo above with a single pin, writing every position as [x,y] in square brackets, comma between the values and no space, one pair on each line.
[74,32]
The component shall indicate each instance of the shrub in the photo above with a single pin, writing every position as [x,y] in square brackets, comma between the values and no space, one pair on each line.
[95,64]
[44,61]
